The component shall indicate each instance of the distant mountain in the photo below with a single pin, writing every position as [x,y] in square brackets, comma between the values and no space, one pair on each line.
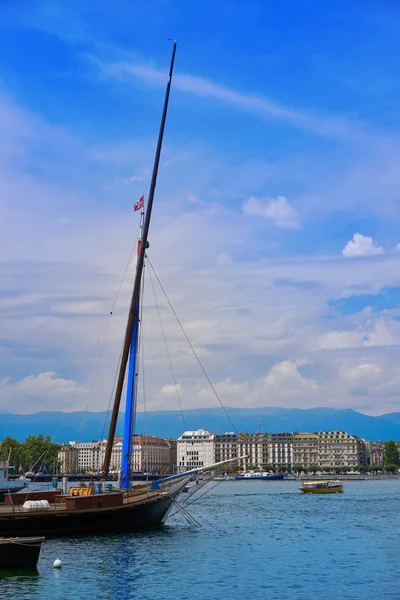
[63,427]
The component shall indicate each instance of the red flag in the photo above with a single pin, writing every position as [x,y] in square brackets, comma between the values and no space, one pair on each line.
[139,204]
[20,470]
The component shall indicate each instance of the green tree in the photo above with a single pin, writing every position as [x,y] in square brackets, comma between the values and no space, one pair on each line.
[374,468]
[391,454]
[252,467]
[235,469]
[391,468]
[314,468]
[16,454]
[39,451]
[298,468]
[268,467]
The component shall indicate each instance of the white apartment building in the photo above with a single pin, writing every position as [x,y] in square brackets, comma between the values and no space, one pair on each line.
[195,449]
[90,454]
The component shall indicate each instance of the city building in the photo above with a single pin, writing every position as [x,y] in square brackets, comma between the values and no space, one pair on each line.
[200,448]
[266,450]
[377,453]
[173,447]
[251,446]
[68,459]
[90,455]
[305,449]
[195,449]
[150,455]
[225,447]
[279,451]
[329,449]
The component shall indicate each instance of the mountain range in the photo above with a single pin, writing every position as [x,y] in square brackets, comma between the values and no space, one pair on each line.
[87,426]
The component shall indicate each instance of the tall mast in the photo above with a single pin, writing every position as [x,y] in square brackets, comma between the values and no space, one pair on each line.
[139,270]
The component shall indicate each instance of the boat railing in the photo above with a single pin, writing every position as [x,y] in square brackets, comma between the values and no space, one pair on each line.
[19,509]
[3,464]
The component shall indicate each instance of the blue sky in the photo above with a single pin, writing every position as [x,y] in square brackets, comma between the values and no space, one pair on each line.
[276,224]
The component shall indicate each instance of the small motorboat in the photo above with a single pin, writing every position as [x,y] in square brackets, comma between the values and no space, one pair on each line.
[7,485]
[20,552]
[259,476]
[322,487]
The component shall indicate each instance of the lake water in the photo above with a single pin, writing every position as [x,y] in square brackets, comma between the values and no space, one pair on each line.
[258,540]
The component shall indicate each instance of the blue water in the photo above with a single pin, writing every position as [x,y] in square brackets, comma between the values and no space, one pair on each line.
[258,540]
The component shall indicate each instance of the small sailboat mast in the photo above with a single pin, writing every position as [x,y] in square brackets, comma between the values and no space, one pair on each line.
[133,315]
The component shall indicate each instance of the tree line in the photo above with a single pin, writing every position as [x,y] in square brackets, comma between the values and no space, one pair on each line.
[37,453]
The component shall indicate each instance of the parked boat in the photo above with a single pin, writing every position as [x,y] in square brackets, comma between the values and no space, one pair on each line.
[322,487]
[258,476]
[20,552]
[95,510]
[7,485]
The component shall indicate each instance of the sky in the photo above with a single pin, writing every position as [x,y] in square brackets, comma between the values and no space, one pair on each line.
[275,230]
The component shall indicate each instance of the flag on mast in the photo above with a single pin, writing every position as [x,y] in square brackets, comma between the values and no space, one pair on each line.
[139,204]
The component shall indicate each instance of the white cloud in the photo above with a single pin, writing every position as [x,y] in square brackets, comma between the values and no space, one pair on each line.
[46,385]
[329,126]
[45,391]
[284,379]
[277,210]
[171,390]
[247,311]
[361,245]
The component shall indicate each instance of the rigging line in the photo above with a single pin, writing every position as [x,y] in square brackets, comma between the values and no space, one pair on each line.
[139,344]
[186,514]
[104,332]
[111,395]
[109,320]
[111,314]
[146,459]
[193,350]
[127,266]
[105,328]
[195,499]
[100,356]
[167,350]
[137,356]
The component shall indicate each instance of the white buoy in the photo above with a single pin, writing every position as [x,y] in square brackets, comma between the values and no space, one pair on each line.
[57,564]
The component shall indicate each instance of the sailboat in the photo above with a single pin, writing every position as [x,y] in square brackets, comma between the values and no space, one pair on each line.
[90,510]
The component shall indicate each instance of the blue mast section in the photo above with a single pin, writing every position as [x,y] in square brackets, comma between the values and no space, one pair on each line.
[130,407]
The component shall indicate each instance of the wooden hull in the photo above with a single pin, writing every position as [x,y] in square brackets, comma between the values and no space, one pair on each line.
[333,490]
[57,521]
[20,552]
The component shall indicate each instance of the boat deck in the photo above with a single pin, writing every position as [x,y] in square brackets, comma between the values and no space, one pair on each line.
[65,504]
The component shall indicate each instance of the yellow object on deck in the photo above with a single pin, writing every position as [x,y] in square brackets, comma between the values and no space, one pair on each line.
[81,491]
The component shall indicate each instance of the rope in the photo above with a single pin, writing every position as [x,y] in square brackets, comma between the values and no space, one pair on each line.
[167,350]
[193,350]
[187,515]
[146,453]
[18,543]
[111,313]
[111,395]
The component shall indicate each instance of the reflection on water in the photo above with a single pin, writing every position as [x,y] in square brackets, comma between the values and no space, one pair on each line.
[257,540]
